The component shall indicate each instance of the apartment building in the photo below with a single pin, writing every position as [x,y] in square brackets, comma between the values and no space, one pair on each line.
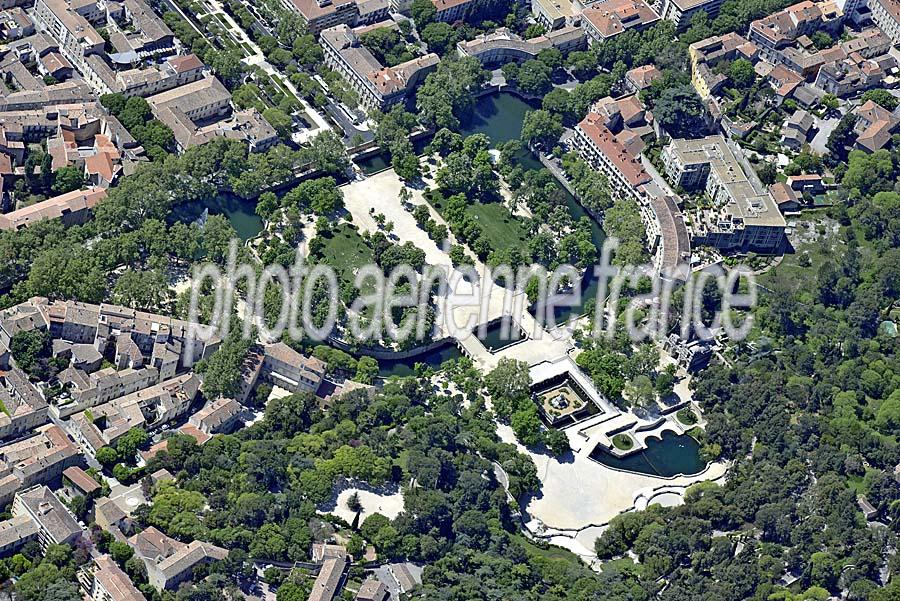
[378,87]
[56,524]
[146,80]
[157,336]
[450,11]
[138,33]
[555,14]
[25,407]
[161,341]
[617,156]
[874,126]
[15,24]
[708,53]
[219,416]
[322,14]
[89,390]
[609,18]
[610,140]
[290,370]
[103,580]
[201,100]
[21,318]
[775,32]
[681,12]
[743,218]
[886,14]
[667,235]
[72,208]
[38,459]
[333,560]
[111,518]
[69,122]
[170,562]
[15,532]
[103,425]
[797,129]
[851,65]
[854,74]
[201,111]
[135,32]
[502,46]
[22,86]
[71,24]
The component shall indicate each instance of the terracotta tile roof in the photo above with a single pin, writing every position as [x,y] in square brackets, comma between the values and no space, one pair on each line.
[643,76]
[626,163]
[57,206]
[782,193]
[114,581]
[81,479]
[100,164]
[188,62]
[612,17]
[195,433]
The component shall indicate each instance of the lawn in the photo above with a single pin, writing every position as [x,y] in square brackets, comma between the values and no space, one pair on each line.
[501,227]
[687,417]
[552,552]
[858,483]
[623,442]
[346,251]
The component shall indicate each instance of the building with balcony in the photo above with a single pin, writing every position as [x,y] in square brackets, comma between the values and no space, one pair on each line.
[103,580]
[378,87]
[743,218]
[56,524]
[503,46]
[609,18]
[886,14]
[681,12]
[708,53]
[322,14]
[775,32]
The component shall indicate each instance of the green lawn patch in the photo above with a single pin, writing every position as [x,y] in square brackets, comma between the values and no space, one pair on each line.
[686,416]
[346,252]
[551,552]
[858,483]
[623,442]
[502,228]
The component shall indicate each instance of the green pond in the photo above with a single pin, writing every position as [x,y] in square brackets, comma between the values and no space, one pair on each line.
[671,455]
[406,367]
[495,339]
[241,214]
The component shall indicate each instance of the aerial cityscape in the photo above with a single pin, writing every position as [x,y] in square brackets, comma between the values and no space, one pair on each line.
[449,300]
